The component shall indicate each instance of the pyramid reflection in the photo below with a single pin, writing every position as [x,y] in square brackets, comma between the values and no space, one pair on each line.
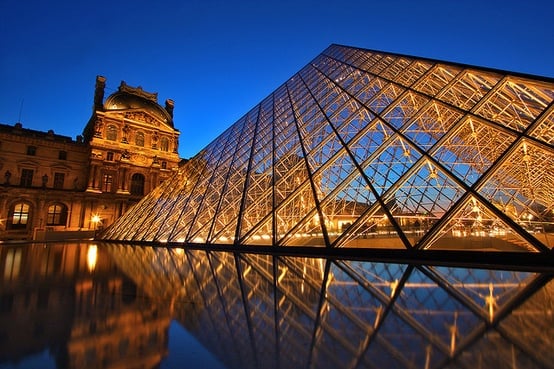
[277,311]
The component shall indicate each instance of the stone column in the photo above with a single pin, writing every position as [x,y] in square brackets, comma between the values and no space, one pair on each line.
[122,185]
[93,182]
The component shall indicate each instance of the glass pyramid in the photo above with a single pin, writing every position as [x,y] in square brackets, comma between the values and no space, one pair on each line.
[368,149]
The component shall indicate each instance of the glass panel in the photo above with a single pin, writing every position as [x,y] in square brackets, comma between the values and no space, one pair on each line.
[475,227]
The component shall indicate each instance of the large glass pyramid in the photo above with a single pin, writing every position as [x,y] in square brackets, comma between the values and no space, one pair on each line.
[368,149]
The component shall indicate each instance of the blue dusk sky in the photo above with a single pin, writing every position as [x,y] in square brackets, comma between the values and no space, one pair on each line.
[217,59]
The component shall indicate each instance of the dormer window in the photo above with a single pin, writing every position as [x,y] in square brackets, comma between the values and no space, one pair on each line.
[31,150]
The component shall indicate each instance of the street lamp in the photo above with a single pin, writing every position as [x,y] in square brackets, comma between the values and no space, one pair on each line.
[95,220]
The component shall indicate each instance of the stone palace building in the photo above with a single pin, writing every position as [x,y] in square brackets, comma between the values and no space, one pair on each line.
[54,187]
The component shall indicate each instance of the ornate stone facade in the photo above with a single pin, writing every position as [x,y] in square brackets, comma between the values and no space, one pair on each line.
[50,183]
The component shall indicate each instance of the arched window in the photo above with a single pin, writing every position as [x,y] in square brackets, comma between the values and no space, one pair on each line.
[164,144]
[111,133]
[18,217]
[57,214]
[139,139]
[137,184]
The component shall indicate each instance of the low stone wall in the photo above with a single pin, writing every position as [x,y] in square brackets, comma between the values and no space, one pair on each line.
[47,235]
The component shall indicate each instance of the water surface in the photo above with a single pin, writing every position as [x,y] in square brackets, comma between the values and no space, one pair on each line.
[79,305]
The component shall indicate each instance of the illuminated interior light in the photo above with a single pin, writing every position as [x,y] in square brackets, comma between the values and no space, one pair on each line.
[393,286]
[490,302]
[475,208]
[378,313]
[404,149]
[473,133]
[453,333]
[526,157]
[428,351]
[432,171]
[282,275]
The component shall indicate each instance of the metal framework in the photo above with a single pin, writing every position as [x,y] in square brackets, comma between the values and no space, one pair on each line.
[368,149]
[276,311]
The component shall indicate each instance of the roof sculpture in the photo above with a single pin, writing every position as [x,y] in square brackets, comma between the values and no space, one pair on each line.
[364,148]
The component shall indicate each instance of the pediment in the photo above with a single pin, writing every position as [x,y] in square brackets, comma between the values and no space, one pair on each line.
[60,167]
[141,117]
[28,163]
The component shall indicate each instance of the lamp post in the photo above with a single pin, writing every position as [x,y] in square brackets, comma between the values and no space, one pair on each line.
[95,220]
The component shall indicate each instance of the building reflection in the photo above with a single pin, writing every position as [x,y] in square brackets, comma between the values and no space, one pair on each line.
[73,301]
[111,305]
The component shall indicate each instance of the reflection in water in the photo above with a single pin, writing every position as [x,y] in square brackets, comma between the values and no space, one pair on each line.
[267,311]
[75,303]
[92,256]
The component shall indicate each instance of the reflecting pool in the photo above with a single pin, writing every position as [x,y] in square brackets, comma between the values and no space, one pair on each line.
[95,305]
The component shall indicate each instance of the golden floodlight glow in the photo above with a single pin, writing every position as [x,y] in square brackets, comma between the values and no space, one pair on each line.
[92,256]
[95,220]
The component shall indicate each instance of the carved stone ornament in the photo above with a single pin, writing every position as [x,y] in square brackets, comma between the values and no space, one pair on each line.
[139,159]
[140,117]
[98,127]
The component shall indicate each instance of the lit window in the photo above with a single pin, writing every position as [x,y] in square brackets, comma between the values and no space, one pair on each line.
[57,214]
[111,133]
[19,216]
[139,139]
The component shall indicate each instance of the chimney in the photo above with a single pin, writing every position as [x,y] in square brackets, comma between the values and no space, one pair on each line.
[99,92]
[169,106]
